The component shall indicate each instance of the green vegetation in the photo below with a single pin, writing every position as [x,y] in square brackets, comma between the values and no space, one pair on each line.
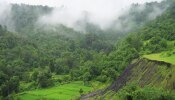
[155,41]
[153,80]
[162,57]
[31,61]
[167,55]
[61,92]
[57,62]
[133,92]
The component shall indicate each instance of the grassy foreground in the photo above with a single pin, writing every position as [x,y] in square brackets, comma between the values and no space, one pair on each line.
[62,92]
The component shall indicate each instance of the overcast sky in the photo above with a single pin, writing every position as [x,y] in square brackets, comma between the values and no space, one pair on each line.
[57,3]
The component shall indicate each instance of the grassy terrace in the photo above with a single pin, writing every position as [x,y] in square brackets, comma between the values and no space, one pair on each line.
[161,57]
[166,56]
[62,92]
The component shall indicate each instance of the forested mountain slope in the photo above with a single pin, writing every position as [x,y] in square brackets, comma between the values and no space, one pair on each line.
[36,58]
[153,73]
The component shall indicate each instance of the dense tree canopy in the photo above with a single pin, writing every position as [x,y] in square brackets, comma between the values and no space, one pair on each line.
[34,55]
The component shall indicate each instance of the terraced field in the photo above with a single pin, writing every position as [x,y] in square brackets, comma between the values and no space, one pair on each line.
[161,57]
[62,92]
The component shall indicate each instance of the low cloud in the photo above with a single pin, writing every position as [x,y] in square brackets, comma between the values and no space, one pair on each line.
[5,16]
[138,15]
[102,13]
[77,14]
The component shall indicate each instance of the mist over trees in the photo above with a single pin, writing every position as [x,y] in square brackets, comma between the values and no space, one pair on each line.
[36,52]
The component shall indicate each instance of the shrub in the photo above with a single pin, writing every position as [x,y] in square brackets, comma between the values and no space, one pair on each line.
[81,91]
[102,78]
[44,80]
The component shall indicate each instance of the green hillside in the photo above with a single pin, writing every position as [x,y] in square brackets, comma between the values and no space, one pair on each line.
[152,76]
[153,80]
[56,62]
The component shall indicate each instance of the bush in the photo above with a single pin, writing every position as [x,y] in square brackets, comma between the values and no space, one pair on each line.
[102,78]
[168,54]
[44,80]
[87,76]
[66,78]
[81,91]
[163,44]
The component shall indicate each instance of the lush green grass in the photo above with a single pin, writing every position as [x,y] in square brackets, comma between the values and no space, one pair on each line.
[62,92]
[162,57]
[166,56]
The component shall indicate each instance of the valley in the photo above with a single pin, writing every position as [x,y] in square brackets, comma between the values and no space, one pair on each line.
[47,55]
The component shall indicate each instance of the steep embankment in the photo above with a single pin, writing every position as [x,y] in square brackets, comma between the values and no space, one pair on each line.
[143,72]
